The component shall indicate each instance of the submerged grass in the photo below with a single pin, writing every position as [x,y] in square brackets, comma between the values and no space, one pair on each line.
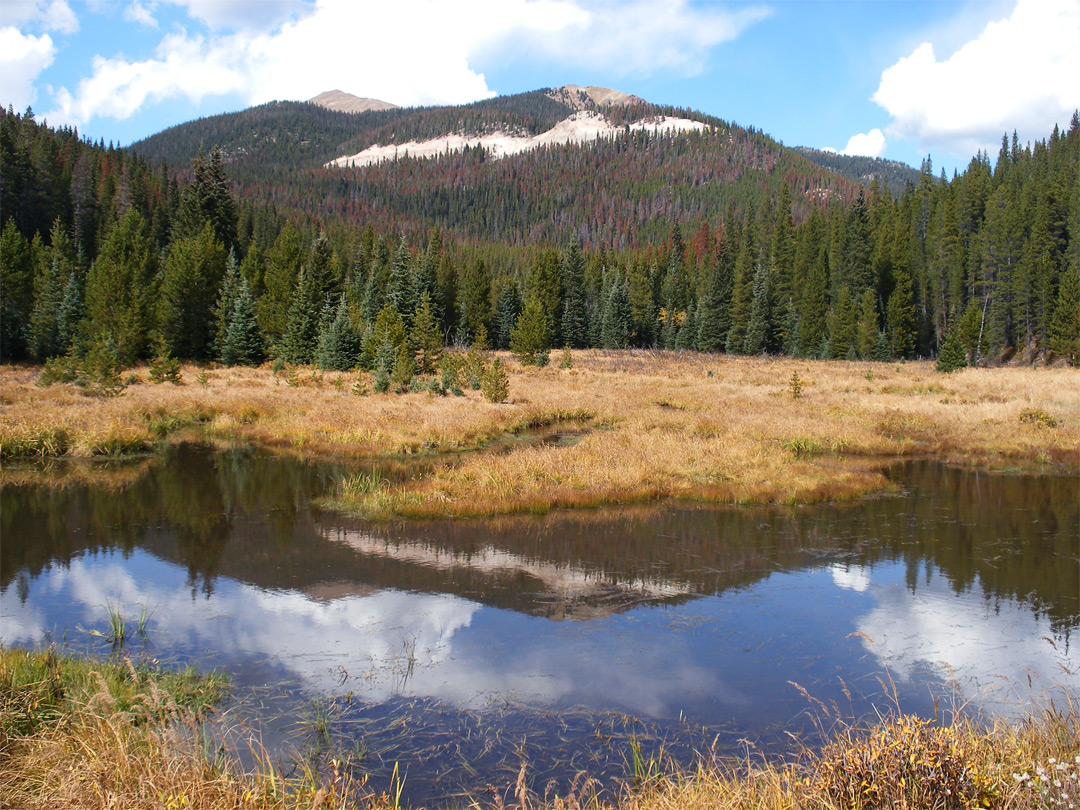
[663,425]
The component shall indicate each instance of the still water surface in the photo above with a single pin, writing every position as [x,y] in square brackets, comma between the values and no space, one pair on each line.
[457,648]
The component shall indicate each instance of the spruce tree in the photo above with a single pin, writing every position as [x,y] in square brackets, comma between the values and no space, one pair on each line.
[573,325]
[507,309]
[16,291]
[742,295]
[813,325]
[401,287]
[952,356]
[338,347]
[121,288]
[475,301]
[387,329]
[226,303]
[686,334]
[283,263]
[404,369]
[55,265]
[425,337]
[901,315]
[842,326]
[188,290]
[302,331]
[757,324]
[70,314]
[618,317]
[495,382]
[529,337]
[867,329]
[243,344]
[1065,325]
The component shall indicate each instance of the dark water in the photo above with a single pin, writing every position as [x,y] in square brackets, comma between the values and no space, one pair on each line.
[459,648]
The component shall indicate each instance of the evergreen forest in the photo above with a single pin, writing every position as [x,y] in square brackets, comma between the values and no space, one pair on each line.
[723,241]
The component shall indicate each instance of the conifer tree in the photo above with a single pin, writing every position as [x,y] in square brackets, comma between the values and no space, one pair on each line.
[901,315]
[425,337]
[618,317]
[742,295]
[16,290]
[867,329]
[283,263]
[758,323]
[302,331]
[70,314]
[388,328]
[243,345]
[475,301]
[544,282]
[55,264]
[529,337]
[338,346]
[427,279]
[448,295]
[1065,325]
[574,326]
[495,382]
[207,200]
[188,290]
[401,289]
[226,303]
[120,288]
[507,309]
[842,326]
[952,356]
[713,314]
[404,369]
[686,334]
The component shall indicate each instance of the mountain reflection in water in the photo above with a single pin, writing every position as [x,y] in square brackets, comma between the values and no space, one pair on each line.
[682,616]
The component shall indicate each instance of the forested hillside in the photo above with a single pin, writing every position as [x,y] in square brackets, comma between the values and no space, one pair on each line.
[619,191]
[890,173]
[103,252]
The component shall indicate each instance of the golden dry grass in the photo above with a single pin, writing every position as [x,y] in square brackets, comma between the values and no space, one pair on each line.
[99,734]
[659,425]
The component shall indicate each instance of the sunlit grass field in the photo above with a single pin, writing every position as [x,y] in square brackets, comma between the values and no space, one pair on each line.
[647,425]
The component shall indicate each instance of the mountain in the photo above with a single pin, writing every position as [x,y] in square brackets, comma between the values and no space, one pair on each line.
[341,101]
[590,162]
[892,174]
[718,239]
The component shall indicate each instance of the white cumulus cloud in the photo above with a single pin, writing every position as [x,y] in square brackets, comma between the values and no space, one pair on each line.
[286,49]
[1018,73]
[138,13]
[638,37]
[22,58]
[869,144]
[48,15]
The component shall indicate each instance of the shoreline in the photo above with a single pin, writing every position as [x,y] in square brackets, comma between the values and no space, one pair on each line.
[629,427]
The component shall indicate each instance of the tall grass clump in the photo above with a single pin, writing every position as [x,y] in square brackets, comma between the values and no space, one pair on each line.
[111,734]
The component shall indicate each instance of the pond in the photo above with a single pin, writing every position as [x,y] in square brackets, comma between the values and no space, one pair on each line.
[459,649]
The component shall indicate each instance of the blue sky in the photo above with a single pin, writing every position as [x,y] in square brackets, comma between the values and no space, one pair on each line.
[900,80]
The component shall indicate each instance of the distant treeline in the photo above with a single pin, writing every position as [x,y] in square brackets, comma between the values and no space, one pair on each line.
[100,248]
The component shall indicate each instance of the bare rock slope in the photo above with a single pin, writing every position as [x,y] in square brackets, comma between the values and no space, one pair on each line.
[346,102]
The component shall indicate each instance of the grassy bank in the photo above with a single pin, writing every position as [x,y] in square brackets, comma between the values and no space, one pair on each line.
[656,425]
[103,734]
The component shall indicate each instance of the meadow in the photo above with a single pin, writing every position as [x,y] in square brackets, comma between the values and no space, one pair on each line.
[637,426]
